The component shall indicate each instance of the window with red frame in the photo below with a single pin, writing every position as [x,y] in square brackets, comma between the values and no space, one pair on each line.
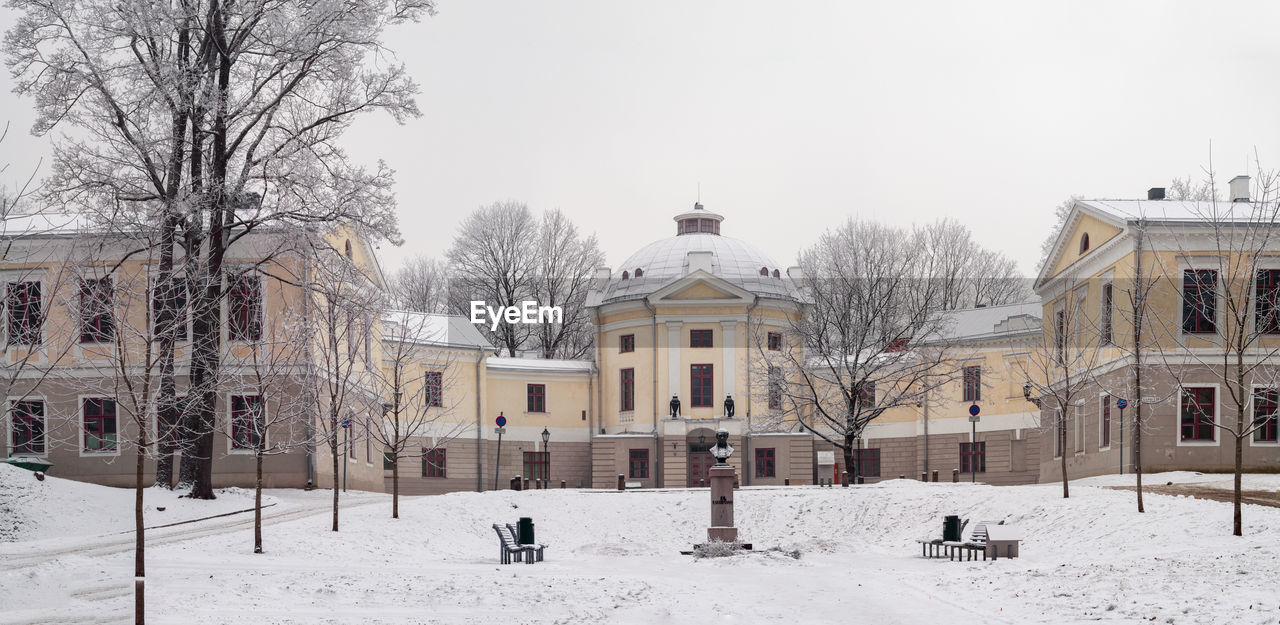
[433,389]
[1060,336]
[638,464]
[536,398]
[169,306]
[973,457]
[244,309]
[628,388]
[1197,414]
[701,386]
[247,421]
[96,325]
[973,383]
[27,419]
[1108,295]
[866,394]
[1199,301]
[1104,439]
[1265,403]
[433,462]
[537,465]
[867,461]
[766,462]
[99,424]
[1267,310]
[25,312]
[699,338]
[627,343]
[775,342]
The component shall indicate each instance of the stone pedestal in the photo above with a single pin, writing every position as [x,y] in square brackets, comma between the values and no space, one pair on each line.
[722,529]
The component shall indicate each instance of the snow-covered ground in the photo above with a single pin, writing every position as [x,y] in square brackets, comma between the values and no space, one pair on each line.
[614,557]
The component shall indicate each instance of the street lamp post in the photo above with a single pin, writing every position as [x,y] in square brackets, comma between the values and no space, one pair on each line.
[546,437]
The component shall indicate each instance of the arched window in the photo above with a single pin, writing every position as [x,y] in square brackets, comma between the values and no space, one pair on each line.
[776,274]
[1084,242]
[625,275]
[639,272]
[764,271]
[347,248]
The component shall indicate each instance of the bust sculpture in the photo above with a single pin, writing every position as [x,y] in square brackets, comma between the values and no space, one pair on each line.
[721,450]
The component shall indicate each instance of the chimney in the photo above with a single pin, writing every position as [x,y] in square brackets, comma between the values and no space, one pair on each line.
[1155,193]
[602,277]
[699,261]
[1240,189]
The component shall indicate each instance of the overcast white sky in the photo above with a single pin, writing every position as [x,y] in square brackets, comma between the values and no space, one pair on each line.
[794,115]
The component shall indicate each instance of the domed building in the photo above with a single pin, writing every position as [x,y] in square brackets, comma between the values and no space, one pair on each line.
[681,332]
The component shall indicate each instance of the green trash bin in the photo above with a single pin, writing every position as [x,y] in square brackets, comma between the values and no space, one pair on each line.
[526,530]
[951,528]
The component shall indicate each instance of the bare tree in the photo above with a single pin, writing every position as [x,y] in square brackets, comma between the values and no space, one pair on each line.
[418,371]
[871,338]
[421,285]
[969,275]
[566,264]
[493,260]
[1061,367]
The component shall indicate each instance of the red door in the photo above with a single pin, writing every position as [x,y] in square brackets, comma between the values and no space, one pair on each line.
[699,466]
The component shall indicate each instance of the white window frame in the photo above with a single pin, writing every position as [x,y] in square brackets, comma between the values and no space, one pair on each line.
[1109,403]
[11,278]
[7,420]
[84,453]
[1253,389]
[230,428]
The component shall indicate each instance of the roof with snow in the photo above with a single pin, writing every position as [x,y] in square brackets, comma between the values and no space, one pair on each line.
[436,330]
[1186,211]
[992,321]
[545,365]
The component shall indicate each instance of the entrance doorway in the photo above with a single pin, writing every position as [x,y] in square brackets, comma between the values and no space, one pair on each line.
[700,442]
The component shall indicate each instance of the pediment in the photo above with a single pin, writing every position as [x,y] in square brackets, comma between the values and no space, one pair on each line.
[701,287]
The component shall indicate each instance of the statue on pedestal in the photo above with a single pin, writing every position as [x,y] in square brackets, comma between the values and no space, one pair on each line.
[675,406]
[728,406]
[721,450]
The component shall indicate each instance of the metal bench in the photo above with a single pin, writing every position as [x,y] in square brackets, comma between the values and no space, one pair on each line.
[936,547]
[534,549]
[976,544]
[509,546]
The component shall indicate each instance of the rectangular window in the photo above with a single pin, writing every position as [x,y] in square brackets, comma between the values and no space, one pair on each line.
[627,343]
[171,305]
[775,388]
[1060,336]
[388,460]
[775,342]
[1104,437]
[701,386]
[433,462]
[973,457]
[1265,402]
[99,424]
[368,440]
[1078,422]
[766,462]
[628,388]
[866,394]
[96,325]
[27,418]
[638,464]
[537,465]
[247,421]
[26,314]
[1267,309]
[433,389]
[536,398]
[1199,301]
[1108,295]
[1197,414]
[699,338]
[867,461]
[973,384]
[244,310]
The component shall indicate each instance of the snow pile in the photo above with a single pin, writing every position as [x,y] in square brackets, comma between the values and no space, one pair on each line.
[57,508]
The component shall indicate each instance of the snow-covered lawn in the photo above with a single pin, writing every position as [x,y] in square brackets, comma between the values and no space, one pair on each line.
[614,557]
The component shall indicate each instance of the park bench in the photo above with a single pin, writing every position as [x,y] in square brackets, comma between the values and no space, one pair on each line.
[533,549]
[979,542]
[509,545]
[936,547]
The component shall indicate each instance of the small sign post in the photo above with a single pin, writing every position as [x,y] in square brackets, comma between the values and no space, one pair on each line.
[497,465]
[974,411]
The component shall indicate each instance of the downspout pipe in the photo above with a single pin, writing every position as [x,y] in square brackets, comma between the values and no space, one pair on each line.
[479,424]
[310,379]
[746,434]
[653,350]
[596,418]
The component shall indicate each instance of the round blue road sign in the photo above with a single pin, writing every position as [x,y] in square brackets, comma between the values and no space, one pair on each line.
[346,423]
[1120,403]
[974,410]
[502,421]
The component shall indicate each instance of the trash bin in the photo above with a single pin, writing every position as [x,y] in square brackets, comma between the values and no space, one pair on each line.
[526,530]
[951,528]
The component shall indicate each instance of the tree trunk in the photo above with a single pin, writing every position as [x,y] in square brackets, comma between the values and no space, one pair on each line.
[1237,524]
[848,451]
[257,506]
[1062,441]
[395,486]
[333,446]
[1137,445]
[139,560]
